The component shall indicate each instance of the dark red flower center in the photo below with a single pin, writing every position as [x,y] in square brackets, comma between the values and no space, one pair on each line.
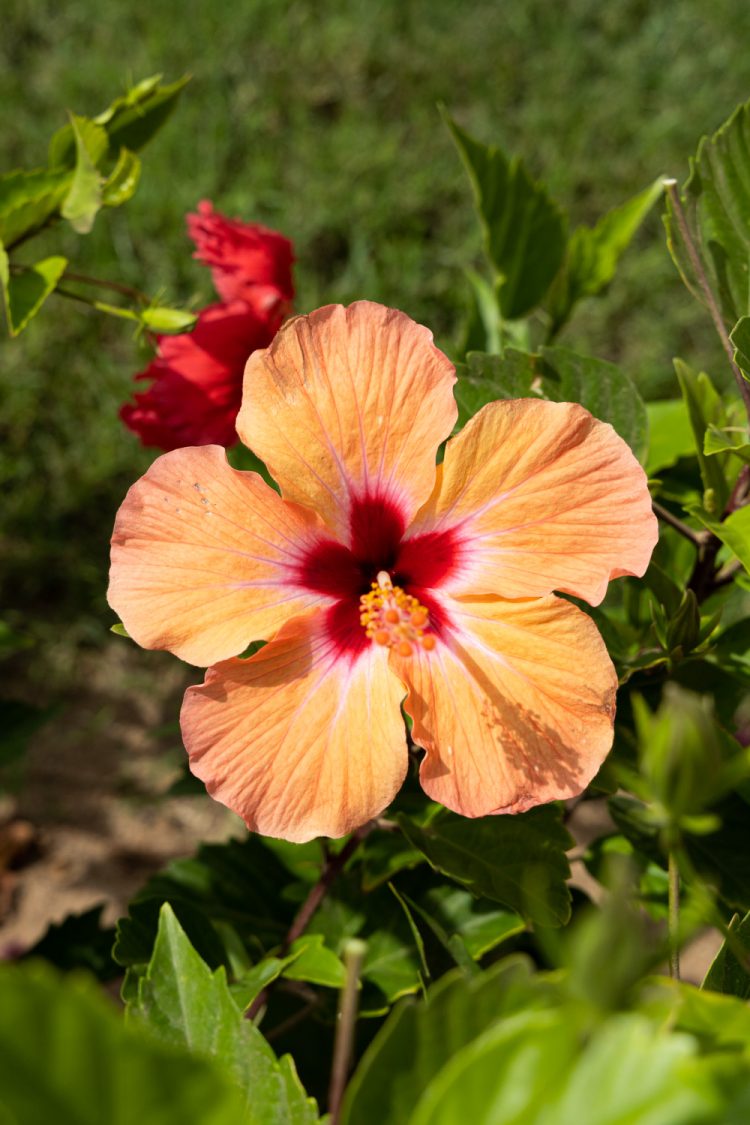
[377,544]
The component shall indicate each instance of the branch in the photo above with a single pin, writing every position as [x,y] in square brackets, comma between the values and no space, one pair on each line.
[697,538]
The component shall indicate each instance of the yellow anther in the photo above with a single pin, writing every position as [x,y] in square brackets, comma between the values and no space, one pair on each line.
[394,619]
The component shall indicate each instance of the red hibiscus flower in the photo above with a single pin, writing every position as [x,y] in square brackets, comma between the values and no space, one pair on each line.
[248,262]
[197,380]
[196,386]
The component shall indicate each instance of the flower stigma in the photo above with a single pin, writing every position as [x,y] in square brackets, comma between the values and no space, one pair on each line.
[394,619]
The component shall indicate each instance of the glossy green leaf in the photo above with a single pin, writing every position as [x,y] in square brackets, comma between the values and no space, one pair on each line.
[122,181]
[734,531]
[420,1037]
[310,960]
[167,321]
[716,202]
[185,1004]
[28,200]
[66,1056]
[476,922]
[84,197]
[524,230]
[670,435]
[63,148]
[25,293]
[252,983]
[518,861]
[730,439]
[593,253]
[560,375]
[727,973]
[705,407]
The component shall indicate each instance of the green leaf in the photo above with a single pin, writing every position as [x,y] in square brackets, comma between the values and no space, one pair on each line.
[476,922]
[559,375]
[734,531]
[419,1038]
[122,181]
[727,974]
[187,1005]
[167,321]
[85,195]
[704,406]
[66,1056]
[26,292]
[28,199]
[740,338]
[240,882]
[716,203]
[730,439]
[133,119]
[485,378]
[609,393]
[518,860]
[252,983]
[310,960]
[593,253]
[670,434]
[524,230]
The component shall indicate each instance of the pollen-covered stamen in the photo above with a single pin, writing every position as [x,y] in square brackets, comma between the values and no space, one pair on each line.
[394,619]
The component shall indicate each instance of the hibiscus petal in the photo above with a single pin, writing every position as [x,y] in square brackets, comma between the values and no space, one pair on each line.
[300,740]
[514,705]
[204,558]
[349,404]
[539,496]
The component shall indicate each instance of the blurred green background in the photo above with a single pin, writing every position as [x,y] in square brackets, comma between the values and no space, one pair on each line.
[320,119]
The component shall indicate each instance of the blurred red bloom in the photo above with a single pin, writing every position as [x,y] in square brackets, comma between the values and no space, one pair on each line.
[197,379]
[197,376]
[248,262]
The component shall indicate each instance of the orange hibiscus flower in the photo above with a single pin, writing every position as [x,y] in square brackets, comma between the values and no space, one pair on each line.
[379,579]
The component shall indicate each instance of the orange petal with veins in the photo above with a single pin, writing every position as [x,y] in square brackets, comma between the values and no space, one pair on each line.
[204,557]
[541,496]
[346,404]
[300,740]
[514,705]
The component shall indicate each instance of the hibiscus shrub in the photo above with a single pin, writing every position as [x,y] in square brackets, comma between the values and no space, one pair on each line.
[467,618]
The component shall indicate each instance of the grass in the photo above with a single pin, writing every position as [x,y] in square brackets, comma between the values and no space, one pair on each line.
[320,119]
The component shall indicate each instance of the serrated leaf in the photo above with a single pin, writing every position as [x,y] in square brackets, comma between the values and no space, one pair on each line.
[28,199]
[524,230]
[560,375]
[85,195]
[485,378]
[606,391]
[240,882]
[187,1005]
[518,861]
[726,974]
[25,293]
[716,202]
[167,321]
[593,253]
[66,1056]
[122,181]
